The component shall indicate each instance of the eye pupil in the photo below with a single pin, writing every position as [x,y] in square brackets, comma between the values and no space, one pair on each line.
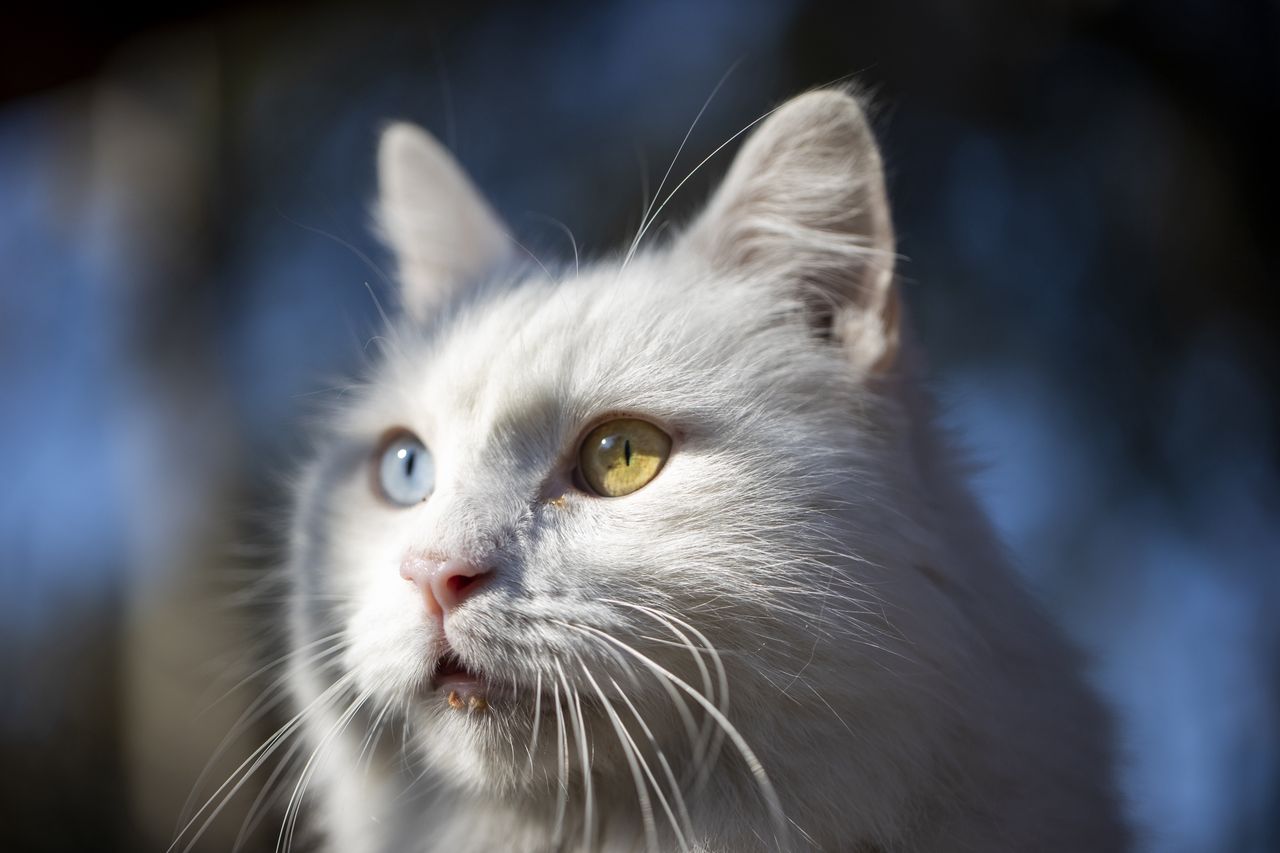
[626,452]
[409,458]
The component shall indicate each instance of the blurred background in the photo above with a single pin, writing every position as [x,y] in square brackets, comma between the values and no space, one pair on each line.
[1086,196]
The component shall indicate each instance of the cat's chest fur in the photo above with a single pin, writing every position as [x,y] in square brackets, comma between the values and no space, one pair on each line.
[666,553]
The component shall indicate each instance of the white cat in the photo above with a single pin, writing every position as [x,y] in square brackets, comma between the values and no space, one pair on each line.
[666,553]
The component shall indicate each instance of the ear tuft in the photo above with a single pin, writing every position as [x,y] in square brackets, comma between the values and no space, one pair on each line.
[804,206]
[443,232]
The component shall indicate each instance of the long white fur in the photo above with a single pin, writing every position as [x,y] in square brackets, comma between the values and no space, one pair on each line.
[809,550]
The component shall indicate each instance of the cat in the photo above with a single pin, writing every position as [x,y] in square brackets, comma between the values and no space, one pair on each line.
[667,552]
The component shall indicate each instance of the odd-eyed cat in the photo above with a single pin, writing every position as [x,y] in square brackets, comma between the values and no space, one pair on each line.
[667,553]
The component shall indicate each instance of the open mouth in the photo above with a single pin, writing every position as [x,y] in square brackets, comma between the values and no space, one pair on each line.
[463,688]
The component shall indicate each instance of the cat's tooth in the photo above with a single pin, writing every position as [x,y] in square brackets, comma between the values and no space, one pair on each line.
[478,703]
[455,701]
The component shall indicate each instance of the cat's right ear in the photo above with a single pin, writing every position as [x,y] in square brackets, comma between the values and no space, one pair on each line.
[803,206]
[443,232]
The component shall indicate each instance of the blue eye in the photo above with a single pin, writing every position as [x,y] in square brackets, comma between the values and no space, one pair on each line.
[406,472]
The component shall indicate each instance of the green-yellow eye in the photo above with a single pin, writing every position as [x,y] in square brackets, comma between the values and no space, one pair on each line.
[621,456]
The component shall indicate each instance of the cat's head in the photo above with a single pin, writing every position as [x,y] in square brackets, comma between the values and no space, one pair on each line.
[622,507]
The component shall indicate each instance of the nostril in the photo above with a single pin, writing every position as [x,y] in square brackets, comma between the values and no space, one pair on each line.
[458,584]
[453,581]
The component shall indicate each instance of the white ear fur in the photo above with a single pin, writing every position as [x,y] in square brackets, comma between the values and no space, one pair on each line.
[804,206]
[442,230]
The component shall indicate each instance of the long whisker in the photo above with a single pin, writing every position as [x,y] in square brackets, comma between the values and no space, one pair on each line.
[589,825]
[562,774]
[694,171]
[682,709]
[256,812]
[645,219]
[369,746]
[334,638]
[382,275]
[284,841]
[676,792]
[765,786]
[709,727]
[574,709]
[250,765]
[271,695]
[537,718]
[716,734]
[633,758]
[677,701]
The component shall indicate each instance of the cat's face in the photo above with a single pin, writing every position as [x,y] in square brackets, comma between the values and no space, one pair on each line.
[575,511]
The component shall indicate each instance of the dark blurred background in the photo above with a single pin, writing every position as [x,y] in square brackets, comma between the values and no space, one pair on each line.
[1085,192]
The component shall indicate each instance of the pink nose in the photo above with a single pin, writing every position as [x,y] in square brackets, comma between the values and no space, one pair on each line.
[444,584]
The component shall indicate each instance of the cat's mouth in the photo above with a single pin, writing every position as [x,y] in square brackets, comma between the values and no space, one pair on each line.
[462,688]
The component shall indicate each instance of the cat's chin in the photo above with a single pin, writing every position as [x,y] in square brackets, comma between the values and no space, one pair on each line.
[466,730]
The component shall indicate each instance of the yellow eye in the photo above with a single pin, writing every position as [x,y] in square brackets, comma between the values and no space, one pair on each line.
[621,456]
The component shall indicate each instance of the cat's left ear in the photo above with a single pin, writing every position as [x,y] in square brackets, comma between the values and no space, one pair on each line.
[442,230]
[803,206]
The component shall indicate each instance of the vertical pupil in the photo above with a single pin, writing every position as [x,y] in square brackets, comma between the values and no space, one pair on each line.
[409,458]
[626,451]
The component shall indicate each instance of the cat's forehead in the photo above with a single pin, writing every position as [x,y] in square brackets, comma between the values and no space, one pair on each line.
[541,331]
[604,339]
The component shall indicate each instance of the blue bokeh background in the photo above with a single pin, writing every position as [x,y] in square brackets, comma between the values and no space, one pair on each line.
[1084,192]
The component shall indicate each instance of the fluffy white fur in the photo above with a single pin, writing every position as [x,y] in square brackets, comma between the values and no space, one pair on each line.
[810,535]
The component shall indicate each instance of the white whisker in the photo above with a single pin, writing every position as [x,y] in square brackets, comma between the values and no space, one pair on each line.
[646,219]
[537,718]
[562,768]
[249,766]
[633,758]
[767,792]
[284,840]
